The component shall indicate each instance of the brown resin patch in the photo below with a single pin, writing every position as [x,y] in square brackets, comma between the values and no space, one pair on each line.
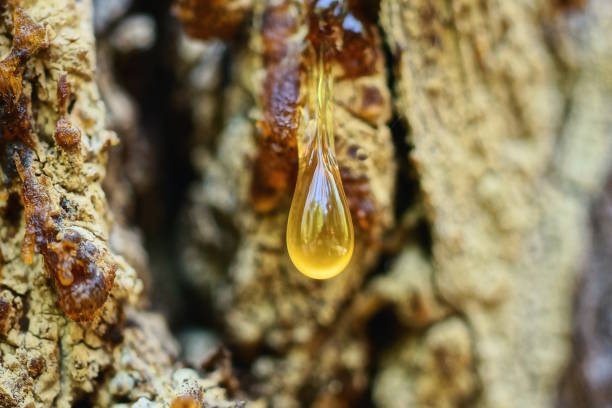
[206,19]
[15,118]
[67,136]
[341,30]
[83,272]
[275,169]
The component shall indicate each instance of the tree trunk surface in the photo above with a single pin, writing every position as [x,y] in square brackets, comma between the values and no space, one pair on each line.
[143,212]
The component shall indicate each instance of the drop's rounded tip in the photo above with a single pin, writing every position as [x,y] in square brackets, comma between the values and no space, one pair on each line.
[320,265]
[321,273]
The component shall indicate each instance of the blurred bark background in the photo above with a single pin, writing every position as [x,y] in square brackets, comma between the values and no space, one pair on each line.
[475,142]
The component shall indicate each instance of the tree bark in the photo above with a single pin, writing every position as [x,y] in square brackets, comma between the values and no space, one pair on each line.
[504,102]
[118,352]
[506,132]
[472,144]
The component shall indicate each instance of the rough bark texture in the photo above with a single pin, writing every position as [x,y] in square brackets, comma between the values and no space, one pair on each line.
[507,106]
[480,136]
[238,256]
[118,353]
[509,111]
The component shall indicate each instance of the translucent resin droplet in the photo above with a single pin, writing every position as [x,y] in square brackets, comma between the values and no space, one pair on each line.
[320,236]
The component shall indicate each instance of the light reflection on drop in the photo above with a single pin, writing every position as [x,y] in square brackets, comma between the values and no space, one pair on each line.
[320,236]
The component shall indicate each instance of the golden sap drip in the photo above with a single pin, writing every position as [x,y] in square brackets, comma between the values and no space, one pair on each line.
[320,236]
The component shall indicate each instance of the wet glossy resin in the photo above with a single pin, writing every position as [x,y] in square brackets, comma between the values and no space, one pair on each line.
[320,236]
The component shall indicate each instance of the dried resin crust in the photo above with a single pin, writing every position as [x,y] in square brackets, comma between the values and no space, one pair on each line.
[66,135]
[83,272]
[15,117]
[275,168]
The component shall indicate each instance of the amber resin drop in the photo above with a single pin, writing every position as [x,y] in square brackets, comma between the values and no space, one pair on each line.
[320,236]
